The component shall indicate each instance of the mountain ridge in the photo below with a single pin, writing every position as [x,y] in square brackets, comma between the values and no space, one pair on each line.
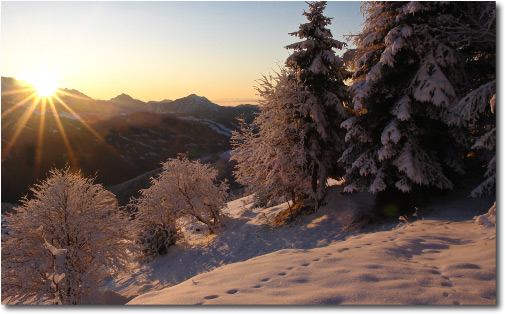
[189,104]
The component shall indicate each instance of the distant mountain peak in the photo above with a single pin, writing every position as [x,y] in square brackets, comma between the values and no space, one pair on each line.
[193,103]
[195,97]
[122,96]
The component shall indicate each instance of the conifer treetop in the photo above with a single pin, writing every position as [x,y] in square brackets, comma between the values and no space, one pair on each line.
[314,52]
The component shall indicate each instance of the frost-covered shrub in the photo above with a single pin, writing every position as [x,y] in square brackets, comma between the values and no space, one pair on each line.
[155,239]
[183,189]
[79,218]
[269,155]
[155,223]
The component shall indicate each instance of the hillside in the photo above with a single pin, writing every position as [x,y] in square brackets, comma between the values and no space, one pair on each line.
[116,140]
[250,262]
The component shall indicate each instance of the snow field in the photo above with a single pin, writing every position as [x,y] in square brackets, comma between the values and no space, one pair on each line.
[430,262]
[445,259]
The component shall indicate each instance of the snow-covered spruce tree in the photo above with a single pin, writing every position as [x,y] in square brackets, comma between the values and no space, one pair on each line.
[79,218]
[269,154]
[321,110]
[475,35]
[406,80]
[184,189]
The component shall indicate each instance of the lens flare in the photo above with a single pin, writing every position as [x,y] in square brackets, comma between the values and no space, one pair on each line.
[44,84]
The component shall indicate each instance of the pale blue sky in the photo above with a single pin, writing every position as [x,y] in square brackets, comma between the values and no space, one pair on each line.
[157,50]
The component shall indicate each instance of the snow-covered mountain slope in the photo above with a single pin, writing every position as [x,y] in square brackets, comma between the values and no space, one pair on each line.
[445,259]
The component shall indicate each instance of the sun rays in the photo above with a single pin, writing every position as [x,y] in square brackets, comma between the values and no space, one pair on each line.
[41,98]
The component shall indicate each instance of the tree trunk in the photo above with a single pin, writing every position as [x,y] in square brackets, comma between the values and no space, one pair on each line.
[313,184]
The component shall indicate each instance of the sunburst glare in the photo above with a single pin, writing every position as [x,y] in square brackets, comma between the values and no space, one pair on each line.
[43,89]
[44,84]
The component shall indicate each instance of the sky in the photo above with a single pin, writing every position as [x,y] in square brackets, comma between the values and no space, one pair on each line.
[158,50]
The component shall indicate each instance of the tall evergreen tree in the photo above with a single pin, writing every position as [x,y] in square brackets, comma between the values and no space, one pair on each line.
[321,109]
[474,33]
[406,80]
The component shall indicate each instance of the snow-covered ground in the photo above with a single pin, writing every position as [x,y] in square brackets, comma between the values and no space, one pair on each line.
[444,259]
[217,127]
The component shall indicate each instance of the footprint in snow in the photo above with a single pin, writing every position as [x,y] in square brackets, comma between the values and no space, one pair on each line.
[265,279]
[305,264]
[210,297]
[232,291]
[343,249]
[289,268]
[257,286]
[281,274]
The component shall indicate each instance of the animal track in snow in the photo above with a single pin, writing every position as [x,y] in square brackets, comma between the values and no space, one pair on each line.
[232,291]
[210,297]
[299,280]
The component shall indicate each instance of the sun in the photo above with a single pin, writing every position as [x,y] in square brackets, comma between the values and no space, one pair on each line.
[44,84]
[45,88]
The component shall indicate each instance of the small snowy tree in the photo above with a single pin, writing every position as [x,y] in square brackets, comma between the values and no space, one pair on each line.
[155,219]
[80,218]
[155,222]
[406,80]
[269,154]
[184,189]
[322,107]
